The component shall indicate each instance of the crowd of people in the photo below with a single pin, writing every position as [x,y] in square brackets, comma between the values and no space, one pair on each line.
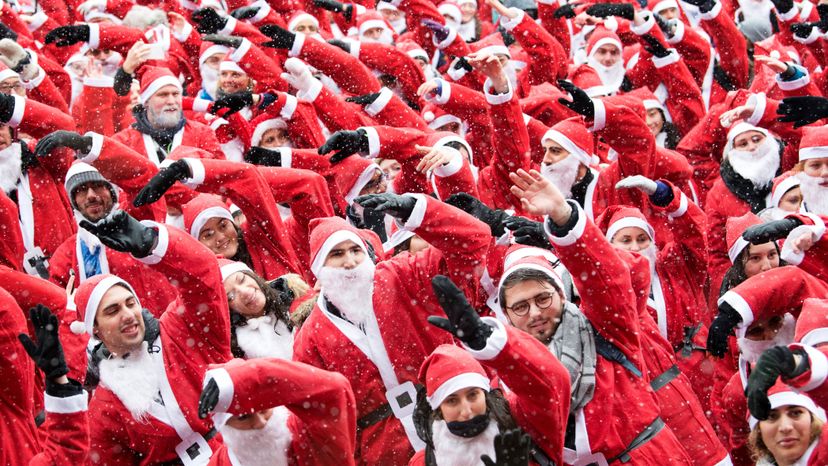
[414,232]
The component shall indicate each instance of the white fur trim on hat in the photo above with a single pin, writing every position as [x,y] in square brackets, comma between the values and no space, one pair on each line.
[650,104]
[550,273]
[567,144]
[663,5]
[396,239]
[265,126]
[463,142]
[743,127]
[521,253]
[496,50]
[7,73]
[227,65]
[416,53]
[233,267]
[212,50]
[819,152]
[736,249]
[95,299]
[156,85]
[452,11]
[361,181]
[301,17]
[370,24]
[792,398]
[786,185]
[630,222]
[605,41]
[335,238]
[207,214]
[443,120]
[458,382]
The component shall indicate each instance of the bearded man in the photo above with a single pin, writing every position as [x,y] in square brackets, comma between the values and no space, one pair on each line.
[368,321]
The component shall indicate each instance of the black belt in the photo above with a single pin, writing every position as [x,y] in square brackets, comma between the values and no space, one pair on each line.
[177,462]
[375,416]
[687,345]
[666,377]
[209,435]
[645,436]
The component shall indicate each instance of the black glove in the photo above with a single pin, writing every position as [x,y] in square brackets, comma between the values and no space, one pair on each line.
[566,11]
[770,231]
[48,352]
[162,182]
[233,102]
[802,110]
[209,399]
[528,232]
[441,32]
[6,107]
[773,363]
[477,209]
[336,7]
[123,233]
[363,100]
[463,321]
[822,10]
[64,36]
[346,143]
[346,47]
[245,12]
[721,327]
[208,21]
[462,63]
[666,27]
[283,291]
[219,39]
[7,33]
[783,6]
[704,5]
[399,207]
[512,448]
[580,103]
[602,10]
[803,30]
[655,47]
[262,156]
[63,138]
[282,38]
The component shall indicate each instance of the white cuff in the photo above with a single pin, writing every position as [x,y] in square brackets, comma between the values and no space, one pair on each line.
[354,48]
[682,208]
[264,10]
[511,23]
[453,166]
[645,27]
[788,254]
[37,20]
[788,15]
[185,32]
[68,405]
[381,101]
[161,248]
[713,13]
[497,99]
[17,113]
[298,43]
[415,220]
[39,77]
[102,81]
[494,344]
[289,108]
[286,156]
[678,34]
[95,151]
[795,84]
[225,386]
[229,27]
[738,303]
[312,92]
[441,45]
[94,36]
[201,105]
[240,52]
[661,62]
[456,73]
[373,141]
[599,118]
[573,235]
[812,37]
[198,171]
[445,93]
[760,102]
[818,367]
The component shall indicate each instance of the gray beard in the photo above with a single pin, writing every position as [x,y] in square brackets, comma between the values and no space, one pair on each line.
[164,120]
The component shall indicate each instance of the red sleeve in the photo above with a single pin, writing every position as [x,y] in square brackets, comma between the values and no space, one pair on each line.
[730,44]
[335,112]
[394,62]
[694,50]
[301,118]
[46,92]
[558,27]
[813,380]
[11,248]
[67,432]
[18,368]
[114,37]
[628,134]
[345,69]
[266,71]
[688,224]
[415,12]
[37,119]
[684,102]
[390,110]
[548,58]
[94,110]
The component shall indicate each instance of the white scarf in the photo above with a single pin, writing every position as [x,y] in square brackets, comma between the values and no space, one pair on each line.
[260,447]
[814,196]
[452,450]
[611,76]
[209,80]
[133,380]
[351,291]
[752,349]
[11,167]
[758,166]
[264,337]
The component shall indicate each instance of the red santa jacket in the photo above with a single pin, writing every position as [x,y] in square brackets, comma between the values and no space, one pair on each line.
[402,300]
[322,412]
[815,259]
[194,333]
[193,134]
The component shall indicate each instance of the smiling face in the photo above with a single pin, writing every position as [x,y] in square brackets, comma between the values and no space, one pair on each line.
[539,322]
[655,121]
[244,295]
[220,235]
[787,433]
[118,321]
[233,81]
[164,107]
[761,258]
[94,200]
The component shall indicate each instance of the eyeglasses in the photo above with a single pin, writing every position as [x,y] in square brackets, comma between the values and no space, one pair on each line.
[376,182]
[7,88]
[542,301]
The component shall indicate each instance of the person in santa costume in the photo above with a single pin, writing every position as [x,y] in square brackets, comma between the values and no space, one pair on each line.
[273,411]
[145,409]
[379,343]
[604,358]
[459,413]
[748,258]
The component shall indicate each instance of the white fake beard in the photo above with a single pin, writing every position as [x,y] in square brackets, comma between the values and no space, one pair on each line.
[467,30]
[814,196]
[452,450]
[260,339]
[351,291]
[11,167]
[399,25]
[562,174]
[759,166]
[386,38]
[512,74]
[752,349]
[109,67]
[209,80]
[164,119]
[612,76]
[260,447]
[133,380]
[651,253]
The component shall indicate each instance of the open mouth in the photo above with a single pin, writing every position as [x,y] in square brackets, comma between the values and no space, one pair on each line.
[130,330]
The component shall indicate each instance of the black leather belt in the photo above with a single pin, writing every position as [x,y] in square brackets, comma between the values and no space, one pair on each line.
[666,377]
[375,416]
[645,436]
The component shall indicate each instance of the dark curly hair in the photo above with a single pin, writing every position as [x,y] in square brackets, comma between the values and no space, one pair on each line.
[278,298]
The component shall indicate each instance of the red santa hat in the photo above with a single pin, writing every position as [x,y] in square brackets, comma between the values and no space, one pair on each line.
[517,252]
[602,36]
[614,218]
[647,98]
[661,5]
[398,237]
[208,49]
[452,10]
[6,72]
[371,19]
[352,174]
[814,143]
[491,44]
[735,227]
[587,79]
[739,128]
[531,262]
[812,323]
[218,5]
[781,185]
[437,117]
[229,267]
[299,16]
[780,394]
[201,209]
[325,233]
[153,78]
[230,65]
[572,135]
[262,124]
[450,368]
[88,297]
[411,48]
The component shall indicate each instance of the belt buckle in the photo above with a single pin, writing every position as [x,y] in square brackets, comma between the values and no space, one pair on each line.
[194,450]
[35,263]
[402,399]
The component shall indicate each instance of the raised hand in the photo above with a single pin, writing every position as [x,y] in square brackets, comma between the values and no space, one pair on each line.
[603,10]
[440,31]
[281,38]
[123,233]
[208,21]
[245,12]
[232,102]
[262,156]
[538,196]
[47,353]
[399,207]
[336,7]
[346,143]
[773,363]
[473,206]
[722,326]
[771,231]
[162,182]
[528,232]
[580,103]
[363,100]
[64,36]
[209,399]
[512,448]
[654,46]
[566,11]
[802,110]
[640,182]
[63,138]
[463,321]
[228,41]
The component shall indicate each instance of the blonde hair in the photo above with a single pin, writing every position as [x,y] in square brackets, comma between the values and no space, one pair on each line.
[759,451]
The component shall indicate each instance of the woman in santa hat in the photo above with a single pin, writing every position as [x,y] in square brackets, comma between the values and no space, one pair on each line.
[747,259]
